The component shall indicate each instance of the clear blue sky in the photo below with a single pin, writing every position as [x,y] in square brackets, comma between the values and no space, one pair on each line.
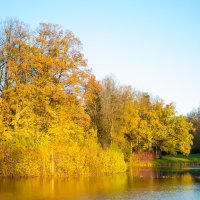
[153,45]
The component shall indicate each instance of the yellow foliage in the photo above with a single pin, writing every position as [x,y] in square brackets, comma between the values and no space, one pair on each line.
[54,113]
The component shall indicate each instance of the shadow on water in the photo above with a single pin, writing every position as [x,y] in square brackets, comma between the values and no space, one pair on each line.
[143,183]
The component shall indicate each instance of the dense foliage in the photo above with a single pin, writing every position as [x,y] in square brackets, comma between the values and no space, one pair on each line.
[57,119]
[194,118]
[136,122]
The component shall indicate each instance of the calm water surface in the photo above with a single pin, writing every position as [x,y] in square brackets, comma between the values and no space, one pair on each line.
[144,184]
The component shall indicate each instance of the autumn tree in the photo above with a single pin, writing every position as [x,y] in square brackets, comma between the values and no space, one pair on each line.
[92,101]
[45,88]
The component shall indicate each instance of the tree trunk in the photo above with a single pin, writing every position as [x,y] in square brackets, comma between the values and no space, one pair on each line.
[131,147]
[111,132]
[138,143]
[158,153]
[52,164]
[44,165]
[149,146]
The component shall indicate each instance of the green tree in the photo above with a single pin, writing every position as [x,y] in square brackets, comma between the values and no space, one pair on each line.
[194,118]
[172,133]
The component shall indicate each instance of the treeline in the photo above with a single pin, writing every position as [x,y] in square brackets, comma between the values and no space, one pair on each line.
[136,122]
[57,119]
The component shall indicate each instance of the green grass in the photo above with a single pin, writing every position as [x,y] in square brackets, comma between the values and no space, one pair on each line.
[192,158]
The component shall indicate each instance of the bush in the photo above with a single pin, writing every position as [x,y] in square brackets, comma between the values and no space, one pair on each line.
[141,159]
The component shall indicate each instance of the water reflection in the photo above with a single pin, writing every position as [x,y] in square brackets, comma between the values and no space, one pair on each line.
[140,184]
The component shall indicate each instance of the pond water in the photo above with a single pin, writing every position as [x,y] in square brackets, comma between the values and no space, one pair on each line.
[143,183]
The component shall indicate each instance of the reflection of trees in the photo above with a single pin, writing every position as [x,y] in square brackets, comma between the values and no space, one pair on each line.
[144,181]
[73,188]
[166,176]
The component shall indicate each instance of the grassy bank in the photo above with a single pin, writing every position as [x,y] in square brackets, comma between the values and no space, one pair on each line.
[178,159]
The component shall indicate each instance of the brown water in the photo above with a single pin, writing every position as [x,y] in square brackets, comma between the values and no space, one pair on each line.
[142,184]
